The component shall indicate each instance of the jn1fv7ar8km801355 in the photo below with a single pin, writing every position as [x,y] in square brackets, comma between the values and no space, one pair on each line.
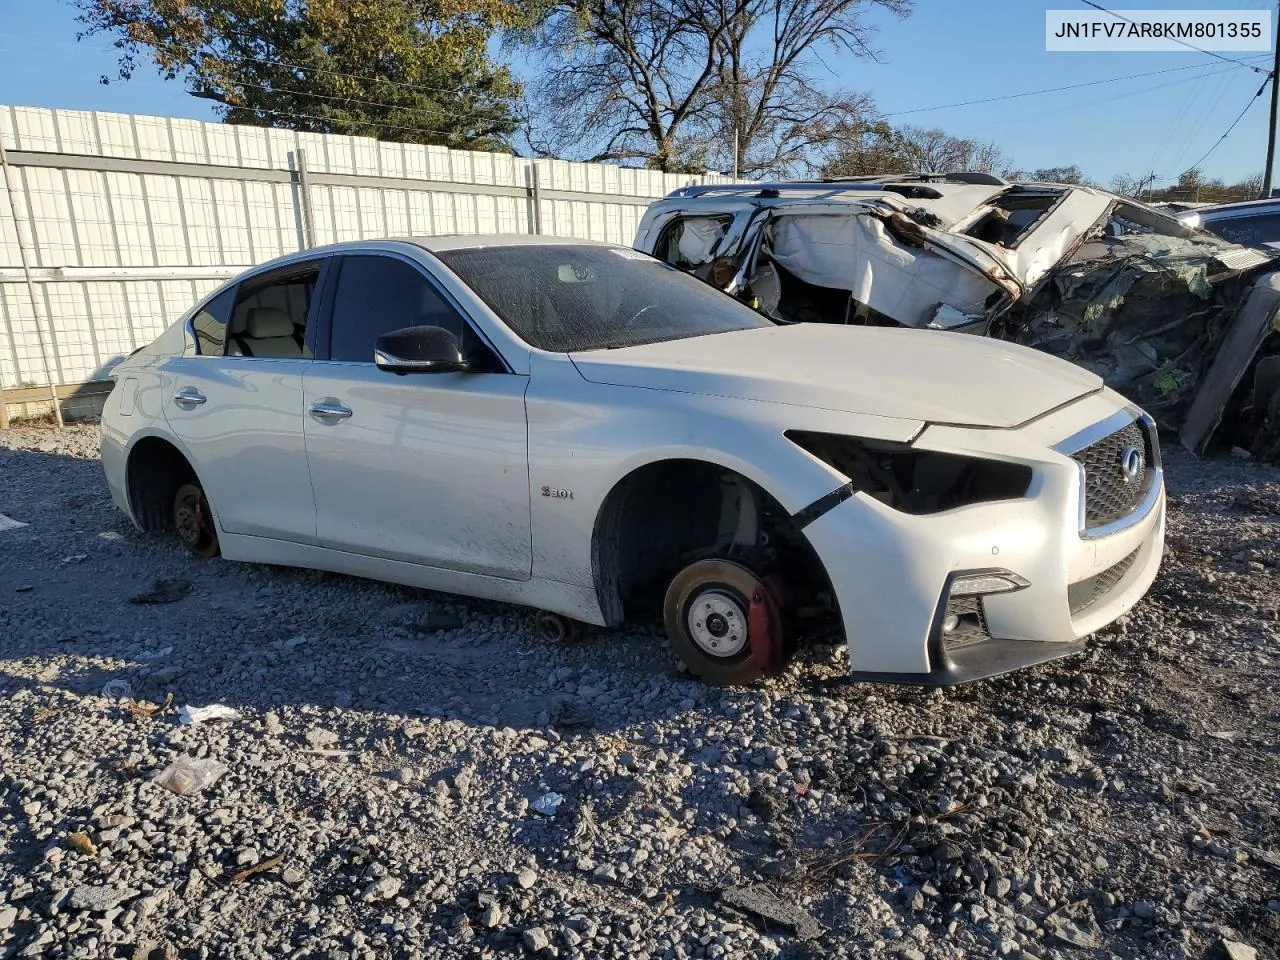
[586,430]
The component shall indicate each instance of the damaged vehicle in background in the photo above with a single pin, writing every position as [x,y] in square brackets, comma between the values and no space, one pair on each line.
[1181,321]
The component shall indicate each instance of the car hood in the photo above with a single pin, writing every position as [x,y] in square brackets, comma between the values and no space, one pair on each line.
[924,375]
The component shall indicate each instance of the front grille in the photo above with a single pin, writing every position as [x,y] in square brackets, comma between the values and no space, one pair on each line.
[1084,594]
[1110,495]
[973,622]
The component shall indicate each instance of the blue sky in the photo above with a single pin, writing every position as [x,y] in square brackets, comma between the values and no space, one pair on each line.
[947,52]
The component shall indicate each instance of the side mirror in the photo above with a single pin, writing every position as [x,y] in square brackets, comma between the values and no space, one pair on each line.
[425,349]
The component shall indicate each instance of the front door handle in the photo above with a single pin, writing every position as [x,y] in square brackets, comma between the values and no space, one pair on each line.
[330,411]
[188,398]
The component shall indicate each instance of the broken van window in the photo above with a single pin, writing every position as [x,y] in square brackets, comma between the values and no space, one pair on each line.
[692,241]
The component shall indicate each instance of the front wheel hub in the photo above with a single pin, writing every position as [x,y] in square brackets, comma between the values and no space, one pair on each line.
[717,623]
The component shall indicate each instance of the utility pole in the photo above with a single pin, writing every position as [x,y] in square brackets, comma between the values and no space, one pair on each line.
[1275,105]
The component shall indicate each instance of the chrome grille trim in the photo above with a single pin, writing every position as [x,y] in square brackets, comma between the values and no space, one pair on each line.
[1100,521]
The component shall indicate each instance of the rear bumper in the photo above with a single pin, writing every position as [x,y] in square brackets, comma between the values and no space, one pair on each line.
[891,572]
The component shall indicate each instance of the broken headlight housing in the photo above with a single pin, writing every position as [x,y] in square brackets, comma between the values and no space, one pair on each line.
[915,481]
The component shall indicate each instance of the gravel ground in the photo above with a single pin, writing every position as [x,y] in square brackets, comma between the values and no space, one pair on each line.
[383,793]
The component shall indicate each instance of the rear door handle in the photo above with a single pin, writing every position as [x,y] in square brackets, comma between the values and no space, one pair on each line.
[330,411]
[188,398]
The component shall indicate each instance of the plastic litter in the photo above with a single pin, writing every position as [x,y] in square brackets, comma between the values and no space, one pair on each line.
[189,716]
[189,774]
[8,523]
[118,690]
[548,804]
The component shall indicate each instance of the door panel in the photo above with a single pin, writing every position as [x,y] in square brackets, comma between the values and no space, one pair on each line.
[240,419]
[428,468]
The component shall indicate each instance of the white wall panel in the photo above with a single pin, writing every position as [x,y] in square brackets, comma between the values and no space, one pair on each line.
[167,223]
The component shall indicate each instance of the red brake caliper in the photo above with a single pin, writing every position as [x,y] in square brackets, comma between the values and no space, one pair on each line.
[765,626]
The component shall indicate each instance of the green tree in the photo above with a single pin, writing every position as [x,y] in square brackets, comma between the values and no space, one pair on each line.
[409,70]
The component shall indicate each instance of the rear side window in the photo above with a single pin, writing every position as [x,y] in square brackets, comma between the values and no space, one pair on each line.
[376,295]
[210,324]
[269,319]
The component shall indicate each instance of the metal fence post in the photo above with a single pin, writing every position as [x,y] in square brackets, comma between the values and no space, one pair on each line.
[304,197]
[537,197]
[31,284]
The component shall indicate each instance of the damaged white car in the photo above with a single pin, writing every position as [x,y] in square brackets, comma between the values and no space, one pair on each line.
[586,430]
[1180,321]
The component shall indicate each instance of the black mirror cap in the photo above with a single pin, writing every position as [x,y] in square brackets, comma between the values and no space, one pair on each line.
[425,349]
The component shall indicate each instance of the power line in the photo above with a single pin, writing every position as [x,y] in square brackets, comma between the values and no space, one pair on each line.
[1034,93]
[1118,96]
[1189,46]
[1218,142]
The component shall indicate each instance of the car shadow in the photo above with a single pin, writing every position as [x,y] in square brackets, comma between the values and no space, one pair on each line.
[262,638]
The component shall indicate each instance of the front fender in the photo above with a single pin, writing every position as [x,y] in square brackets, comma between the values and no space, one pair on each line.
[586,438]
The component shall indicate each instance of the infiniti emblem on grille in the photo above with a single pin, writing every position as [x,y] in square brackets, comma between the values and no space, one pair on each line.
[1131,463]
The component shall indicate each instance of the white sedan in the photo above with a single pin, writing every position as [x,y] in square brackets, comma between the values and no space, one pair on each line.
[585,430]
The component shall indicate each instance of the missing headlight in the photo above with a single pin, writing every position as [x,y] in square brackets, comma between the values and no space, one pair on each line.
[915,481]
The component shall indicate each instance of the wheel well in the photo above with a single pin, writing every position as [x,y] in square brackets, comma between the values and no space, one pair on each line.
[155,471]
[664,515]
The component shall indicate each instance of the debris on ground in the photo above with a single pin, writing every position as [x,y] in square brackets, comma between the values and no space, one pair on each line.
[188,774]
[1075,926]
[1235,950]
[758,900]
[547,804]
[169,590]
[262,866]
[189,716]
[8,523]
[118,689]
[80,842]
[145,709]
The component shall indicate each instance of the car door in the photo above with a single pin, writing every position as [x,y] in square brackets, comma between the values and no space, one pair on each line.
[235,402]
[430,468]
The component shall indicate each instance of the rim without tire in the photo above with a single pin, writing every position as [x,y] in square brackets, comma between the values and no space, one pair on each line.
[193,520]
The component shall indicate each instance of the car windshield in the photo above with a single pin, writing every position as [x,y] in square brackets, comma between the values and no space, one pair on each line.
[570,297]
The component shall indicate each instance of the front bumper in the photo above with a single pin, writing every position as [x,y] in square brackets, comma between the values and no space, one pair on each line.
[890,571]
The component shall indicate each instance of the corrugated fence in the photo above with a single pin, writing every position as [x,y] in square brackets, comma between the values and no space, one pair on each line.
[111,225]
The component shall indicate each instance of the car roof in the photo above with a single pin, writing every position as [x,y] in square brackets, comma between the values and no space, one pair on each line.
[468,241]
[949,199]
[1241,206]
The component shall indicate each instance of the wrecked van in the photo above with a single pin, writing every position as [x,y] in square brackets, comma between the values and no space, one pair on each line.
[1182,322]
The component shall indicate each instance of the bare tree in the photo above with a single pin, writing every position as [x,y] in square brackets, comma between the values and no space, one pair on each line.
[877,148]
[680,83]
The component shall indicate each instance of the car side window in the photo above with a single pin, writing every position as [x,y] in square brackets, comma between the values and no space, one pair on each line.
[1249,231]
[210,324]
[375,295]
[269,318]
